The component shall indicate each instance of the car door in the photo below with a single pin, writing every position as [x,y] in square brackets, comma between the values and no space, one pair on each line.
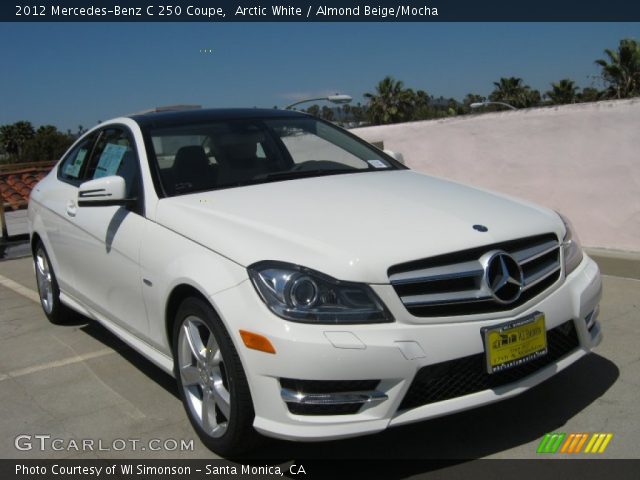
[59,197]
[107,269]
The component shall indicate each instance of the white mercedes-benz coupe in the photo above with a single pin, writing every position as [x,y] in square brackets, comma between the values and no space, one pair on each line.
[300,283]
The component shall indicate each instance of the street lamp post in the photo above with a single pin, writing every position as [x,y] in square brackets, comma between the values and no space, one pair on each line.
[485,103]
[337,99]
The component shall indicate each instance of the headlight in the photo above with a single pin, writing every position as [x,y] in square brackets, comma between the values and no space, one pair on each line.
[572,250]
[303,295]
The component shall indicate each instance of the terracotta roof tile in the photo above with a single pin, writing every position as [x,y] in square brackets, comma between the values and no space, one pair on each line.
[15,187]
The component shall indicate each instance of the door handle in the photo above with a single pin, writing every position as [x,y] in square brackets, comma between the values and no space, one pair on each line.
[71,208]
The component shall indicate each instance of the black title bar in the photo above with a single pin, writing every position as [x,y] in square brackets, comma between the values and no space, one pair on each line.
[318,11]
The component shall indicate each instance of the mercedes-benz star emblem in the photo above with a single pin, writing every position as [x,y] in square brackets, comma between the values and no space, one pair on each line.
[503,276]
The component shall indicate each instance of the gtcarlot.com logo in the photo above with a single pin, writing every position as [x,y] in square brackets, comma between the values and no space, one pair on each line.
[574,443]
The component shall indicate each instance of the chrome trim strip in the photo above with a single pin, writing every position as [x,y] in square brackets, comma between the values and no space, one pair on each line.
[336,398]
[455,270]
[444,298]
[533,280]
[531,253]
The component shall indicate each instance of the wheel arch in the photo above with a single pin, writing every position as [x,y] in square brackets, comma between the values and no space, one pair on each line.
[35,239]
[178,294]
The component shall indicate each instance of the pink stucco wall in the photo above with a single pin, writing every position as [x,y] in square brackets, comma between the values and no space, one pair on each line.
[582,160]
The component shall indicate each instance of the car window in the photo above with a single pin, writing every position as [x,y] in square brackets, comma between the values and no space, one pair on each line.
[319,144]
[223,154]
[115,154]
[73,166]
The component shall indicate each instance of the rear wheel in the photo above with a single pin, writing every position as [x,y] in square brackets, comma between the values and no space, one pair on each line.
[48,289]
[211,380]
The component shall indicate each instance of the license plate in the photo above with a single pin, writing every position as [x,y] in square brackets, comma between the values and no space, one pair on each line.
[513,343]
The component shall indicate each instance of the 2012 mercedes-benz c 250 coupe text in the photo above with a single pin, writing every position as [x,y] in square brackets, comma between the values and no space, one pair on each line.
[300,283]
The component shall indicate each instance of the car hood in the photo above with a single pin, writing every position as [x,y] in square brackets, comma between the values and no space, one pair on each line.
[351,226]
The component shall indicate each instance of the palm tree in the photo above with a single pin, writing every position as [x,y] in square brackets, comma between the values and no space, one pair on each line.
[473,98]
[513,91]
[314,110]
[564,91]
[391,103]
[622,71]
[327,113]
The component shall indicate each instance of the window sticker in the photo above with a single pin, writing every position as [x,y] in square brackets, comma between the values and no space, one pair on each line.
[73,169]
[378,163]
[110,160]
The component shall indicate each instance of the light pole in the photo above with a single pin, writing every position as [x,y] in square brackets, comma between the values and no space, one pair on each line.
[337,99]
[485,103]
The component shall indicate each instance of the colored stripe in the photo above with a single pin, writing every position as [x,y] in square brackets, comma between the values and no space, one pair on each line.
[576,438]
[543,443]
[550,443]
[591,442]
[567,443]
[606,442]
[557,443]
[582,440]
[596,445]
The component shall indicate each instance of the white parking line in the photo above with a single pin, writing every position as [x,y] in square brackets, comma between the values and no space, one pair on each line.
[19,289]
[33,296]
[57,363]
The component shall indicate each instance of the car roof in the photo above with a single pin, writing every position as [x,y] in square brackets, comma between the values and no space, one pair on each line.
[185,117]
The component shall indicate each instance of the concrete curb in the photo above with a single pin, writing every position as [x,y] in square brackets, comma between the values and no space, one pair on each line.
[616,263]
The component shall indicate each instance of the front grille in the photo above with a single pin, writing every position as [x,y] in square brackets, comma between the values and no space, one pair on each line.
[462,376]
[328,387]
[454,284]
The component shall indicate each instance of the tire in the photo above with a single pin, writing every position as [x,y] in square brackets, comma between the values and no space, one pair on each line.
[48,290]
[211,381]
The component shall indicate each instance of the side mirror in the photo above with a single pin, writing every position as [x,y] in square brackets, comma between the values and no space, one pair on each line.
[104,192]
[397,156]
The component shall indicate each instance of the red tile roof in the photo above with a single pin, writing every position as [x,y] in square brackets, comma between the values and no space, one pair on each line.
[15,187]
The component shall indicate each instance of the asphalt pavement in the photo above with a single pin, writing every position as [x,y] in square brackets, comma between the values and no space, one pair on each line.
[79,383]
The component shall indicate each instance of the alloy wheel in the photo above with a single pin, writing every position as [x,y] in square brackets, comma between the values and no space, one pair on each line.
[203,376]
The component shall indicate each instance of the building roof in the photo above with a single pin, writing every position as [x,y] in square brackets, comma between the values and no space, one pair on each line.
[15,187]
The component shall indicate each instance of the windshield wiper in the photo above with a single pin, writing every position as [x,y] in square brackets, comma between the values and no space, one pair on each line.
[291,174]
[275,176]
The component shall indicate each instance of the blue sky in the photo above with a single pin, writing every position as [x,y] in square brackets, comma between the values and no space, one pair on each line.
[69,74]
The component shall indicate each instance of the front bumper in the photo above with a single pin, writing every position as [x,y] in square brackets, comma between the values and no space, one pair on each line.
[392,353]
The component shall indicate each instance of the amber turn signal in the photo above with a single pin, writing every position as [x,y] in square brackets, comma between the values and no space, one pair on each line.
[257,342]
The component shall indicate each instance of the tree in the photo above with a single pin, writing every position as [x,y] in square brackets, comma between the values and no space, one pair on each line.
[564,91]
[391,103]
[327,113]
[513,91]
[621,72]
[13,137]
[47,144]
[358,112]
[24,144]
[314,110]
[589,94]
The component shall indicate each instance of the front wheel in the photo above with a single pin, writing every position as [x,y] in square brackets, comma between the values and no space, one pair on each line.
[48,290]
[211,380]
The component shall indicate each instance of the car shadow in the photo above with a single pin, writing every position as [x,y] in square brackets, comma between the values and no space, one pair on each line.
[455,438]
[474,433]
[100,333]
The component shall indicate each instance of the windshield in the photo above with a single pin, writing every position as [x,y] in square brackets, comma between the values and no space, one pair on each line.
[224,154]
